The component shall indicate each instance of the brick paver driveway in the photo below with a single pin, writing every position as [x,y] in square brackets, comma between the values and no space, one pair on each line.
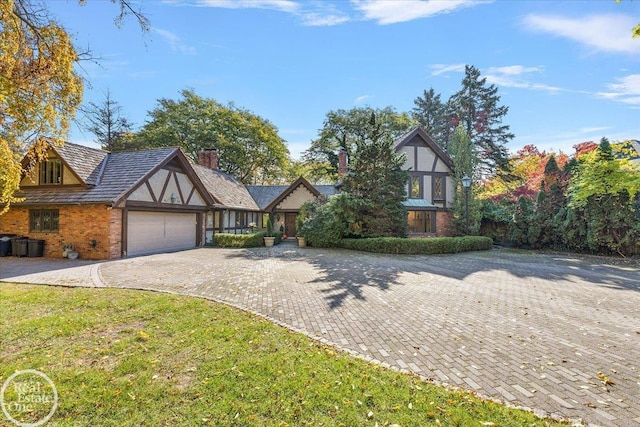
[528,329]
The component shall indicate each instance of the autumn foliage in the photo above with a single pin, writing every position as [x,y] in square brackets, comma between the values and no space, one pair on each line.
[39,90]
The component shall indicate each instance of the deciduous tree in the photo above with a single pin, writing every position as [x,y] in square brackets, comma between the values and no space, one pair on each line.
[39,89]
[249,146]
[344,129]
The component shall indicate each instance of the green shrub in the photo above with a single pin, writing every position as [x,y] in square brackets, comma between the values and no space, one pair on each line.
[227,240]
[426,246]
[323,228]
[254,240]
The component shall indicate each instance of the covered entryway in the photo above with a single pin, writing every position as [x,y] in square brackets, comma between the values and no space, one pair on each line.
[152,232]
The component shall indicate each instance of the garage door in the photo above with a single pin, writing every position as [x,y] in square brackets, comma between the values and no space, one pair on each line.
[151,232]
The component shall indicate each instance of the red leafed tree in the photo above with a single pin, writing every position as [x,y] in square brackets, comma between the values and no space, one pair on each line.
[584,148]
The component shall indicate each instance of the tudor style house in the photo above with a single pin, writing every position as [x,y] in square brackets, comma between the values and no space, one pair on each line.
[430,188]
[110,205]
[114,205]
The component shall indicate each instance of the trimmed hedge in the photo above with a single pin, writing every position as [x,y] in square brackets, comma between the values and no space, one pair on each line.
[426,246]
[228,240]
[254,240]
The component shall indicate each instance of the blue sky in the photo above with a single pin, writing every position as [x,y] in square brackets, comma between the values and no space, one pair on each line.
[569,71]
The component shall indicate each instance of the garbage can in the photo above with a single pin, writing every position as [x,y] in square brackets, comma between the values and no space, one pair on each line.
[5,244]
[36,247]
[19,246]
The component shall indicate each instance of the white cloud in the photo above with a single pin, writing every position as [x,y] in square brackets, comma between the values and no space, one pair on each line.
[517,76]
[593,129]
[361,99]
[625,89]
[391,12]
[444,68]
[604,33]
[314,19]
[175,43]
[281,5]
[312,14]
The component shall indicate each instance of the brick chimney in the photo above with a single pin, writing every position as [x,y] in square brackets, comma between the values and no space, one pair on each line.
[208,158]
[343,167]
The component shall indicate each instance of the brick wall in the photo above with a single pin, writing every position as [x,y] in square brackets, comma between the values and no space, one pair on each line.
[79,225]
[443,223]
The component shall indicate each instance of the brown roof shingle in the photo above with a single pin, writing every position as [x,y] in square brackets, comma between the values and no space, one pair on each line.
[226,189]
[122,171]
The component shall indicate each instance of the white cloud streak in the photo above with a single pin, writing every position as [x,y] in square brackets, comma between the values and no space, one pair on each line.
[281,5]
[311,14]
[174,41]
[601,33]
[361,99]
[439,69]
[625,89]
[386,12]
[517,76]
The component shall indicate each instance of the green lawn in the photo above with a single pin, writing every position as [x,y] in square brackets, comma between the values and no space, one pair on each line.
[121,357]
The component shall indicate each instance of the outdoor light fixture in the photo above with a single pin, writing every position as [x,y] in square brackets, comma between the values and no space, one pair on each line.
[174,198]
[466,183]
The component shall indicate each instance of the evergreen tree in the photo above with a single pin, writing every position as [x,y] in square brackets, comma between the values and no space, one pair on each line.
[476,108]
[464,161]
[106,122]
[544,231]
[377,182]
[430,112]
[572,229]
[519,227]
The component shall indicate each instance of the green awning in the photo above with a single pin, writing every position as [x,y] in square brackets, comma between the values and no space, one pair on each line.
[418,204]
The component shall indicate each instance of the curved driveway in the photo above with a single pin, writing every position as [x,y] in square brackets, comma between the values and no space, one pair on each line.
[533,330]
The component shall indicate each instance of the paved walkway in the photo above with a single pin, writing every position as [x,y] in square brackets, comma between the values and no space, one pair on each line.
[527,329]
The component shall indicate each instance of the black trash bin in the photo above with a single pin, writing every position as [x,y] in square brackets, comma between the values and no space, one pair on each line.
[5,244]
[19,246]
[36,247]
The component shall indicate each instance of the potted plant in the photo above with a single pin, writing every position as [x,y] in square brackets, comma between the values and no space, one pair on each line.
[302,216]
[269,238]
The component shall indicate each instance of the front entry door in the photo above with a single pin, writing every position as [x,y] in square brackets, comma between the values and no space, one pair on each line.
[290,224]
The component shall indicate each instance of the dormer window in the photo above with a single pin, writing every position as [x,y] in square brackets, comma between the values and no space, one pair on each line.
[51,172]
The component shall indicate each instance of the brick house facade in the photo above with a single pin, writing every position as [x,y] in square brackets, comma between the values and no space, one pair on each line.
[113,205]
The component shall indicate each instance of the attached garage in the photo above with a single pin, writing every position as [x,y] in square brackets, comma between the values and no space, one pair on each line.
[153,232]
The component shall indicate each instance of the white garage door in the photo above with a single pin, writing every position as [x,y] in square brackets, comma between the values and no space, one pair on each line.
[151,232]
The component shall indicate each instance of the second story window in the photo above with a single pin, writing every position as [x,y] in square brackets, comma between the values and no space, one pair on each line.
[438,188]
[415,190]
[51,172]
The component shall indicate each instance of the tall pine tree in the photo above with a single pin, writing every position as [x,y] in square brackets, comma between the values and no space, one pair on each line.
[476,106]
[430,112]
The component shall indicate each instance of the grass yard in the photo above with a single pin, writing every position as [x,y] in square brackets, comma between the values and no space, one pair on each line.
[121,358]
